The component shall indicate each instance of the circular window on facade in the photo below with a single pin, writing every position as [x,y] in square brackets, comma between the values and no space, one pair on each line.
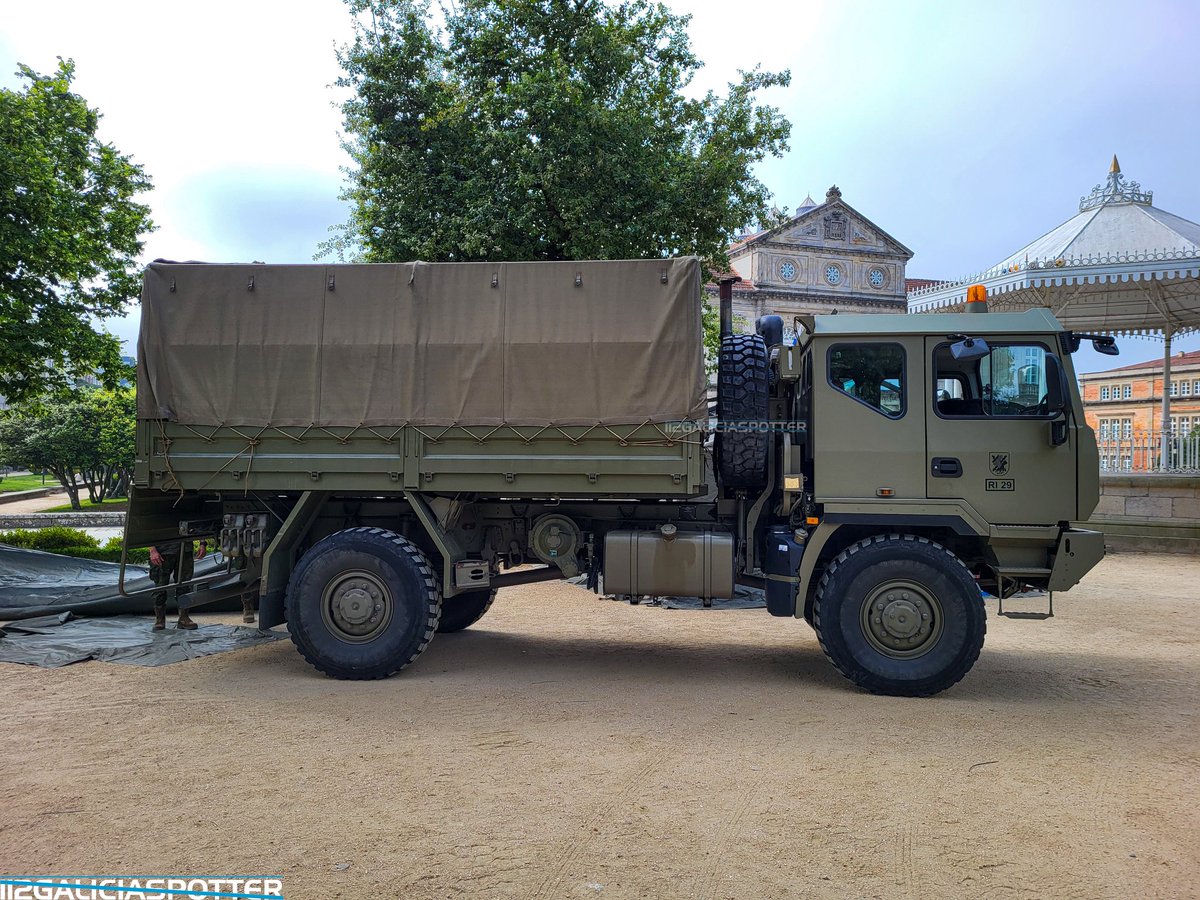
[833,274]
[787,271]
[876,276]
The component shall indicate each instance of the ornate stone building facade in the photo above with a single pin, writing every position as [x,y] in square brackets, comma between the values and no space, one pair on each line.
[827,257]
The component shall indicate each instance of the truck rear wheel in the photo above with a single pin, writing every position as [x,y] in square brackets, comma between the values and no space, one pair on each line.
[900,615]
[362,603]
[464,610]
[742,410]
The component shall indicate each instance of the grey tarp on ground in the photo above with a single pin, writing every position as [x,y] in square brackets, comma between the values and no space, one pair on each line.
[744,597]
[63,639]
[538,344]
[33,583]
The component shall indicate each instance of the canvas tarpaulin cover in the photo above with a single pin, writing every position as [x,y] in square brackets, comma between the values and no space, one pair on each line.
[63,639]
[540,344]
[33,583]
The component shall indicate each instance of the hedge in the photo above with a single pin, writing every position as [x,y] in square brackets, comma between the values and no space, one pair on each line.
[71,542]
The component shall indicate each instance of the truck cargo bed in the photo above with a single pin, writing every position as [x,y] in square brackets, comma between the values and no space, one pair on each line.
[552,461]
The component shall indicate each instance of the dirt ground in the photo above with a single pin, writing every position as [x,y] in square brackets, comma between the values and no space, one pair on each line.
[569,746]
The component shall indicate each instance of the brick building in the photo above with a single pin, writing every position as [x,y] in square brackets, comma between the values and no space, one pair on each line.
[1125,404]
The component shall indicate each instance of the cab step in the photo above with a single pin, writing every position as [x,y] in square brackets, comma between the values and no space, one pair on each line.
[1026,614]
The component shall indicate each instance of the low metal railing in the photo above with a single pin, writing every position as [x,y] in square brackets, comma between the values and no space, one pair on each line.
[1144,453]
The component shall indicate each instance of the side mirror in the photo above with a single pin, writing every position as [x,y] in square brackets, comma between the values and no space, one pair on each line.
[1101,343]
[1057,399]
[1056,384]
[970,348]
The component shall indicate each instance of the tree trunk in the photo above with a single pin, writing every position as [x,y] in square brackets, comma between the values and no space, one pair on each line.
[102,477]
[66,477]
[92,478]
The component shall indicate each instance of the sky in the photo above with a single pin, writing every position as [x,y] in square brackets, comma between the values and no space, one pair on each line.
[964,129]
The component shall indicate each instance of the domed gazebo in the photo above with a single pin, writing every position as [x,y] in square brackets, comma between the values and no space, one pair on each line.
[1120,266]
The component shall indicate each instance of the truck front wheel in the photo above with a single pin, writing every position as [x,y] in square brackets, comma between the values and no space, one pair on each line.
[362,603]
[464,610]
[900,615]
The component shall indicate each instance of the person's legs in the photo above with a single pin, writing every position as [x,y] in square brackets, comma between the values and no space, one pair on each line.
[185,574]
[160,575]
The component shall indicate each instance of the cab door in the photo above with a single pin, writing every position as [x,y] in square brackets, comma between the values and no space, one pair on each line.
[989,432]
[868,419]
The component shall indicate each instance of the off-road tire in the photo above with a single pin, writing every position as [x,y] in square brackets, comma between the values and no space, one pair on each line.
[464,610]
[386,560]
[869,568]
[743,393]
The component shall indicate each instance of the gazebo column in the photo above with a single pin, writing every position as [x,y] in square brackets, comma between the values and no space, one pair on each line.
[1164,441]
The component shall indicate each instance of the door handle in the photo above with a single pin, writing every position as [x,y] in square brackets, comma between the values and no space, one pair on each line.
[945,467]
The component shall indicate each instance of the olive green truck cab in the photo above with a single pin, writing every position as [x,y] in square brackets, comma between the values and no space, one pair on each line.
[378,449]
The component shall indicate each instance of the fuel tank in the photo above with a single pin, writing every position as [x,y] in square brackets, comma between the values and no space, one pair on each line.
[668,563]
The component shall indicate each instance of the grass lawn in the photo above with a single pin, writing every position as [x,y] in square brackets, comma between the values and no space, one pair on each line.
[25,482]
[114,504]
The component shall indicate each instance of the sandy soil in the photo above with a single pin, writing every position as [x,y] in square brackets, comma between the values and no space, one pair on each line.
[569,746]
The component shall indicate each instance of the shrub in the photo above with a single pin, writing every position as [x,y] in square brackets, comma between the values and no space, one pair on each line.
[18,538]
[72,542]
[60,536]
[140,555]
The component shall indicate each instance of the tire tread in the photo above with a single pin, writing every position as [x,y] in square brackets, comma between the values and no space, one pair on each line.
[867,680]
[433,606]
[743,395]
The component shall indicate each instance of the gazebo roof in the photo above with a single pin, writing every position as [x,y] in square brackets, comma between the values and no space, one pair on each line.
[1088,269]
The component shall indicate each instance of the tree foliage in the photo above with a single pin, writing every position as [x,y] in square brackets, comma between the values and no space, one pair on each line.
[84,440]
[544,129]
[70,232]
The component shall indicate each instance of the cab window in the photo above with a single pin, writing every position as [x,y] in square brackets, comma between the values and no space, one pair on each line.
[873,374]
[1009,382]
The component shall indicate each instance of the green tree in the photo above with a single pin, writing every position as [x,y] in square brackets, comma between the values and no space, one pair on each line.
[116,445]
[544,129]
[70,233]
[84,440]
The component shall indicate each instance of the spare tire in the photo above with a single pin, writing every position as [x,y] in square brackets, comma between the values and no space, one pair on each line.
[743,392]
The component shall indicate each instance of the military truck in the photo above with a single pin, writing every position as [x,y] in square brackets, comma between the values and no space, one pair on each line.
[379,449]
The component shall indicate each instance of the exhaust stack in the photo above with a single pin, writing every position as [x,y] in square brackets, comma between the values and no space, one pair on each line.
[725,292]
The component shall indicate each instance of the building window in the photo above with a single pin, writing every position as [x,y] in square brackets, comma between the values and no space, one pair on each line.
[1174,388]
[873,374]
[1127,392]
[833,274]
[1104,429]
[1127,463]
[1104,463]
[1104,392]
[1185,388]
[877,277]
[787,271]
[1127,428]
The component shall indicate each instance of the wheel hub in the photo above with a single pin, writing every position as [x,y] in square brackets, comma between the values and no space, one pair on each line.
[356,606]
[902,619]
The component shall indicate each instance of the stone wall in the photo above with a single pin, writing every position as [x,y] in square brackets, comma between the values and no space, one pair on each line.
[68,520]
[1149,512]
